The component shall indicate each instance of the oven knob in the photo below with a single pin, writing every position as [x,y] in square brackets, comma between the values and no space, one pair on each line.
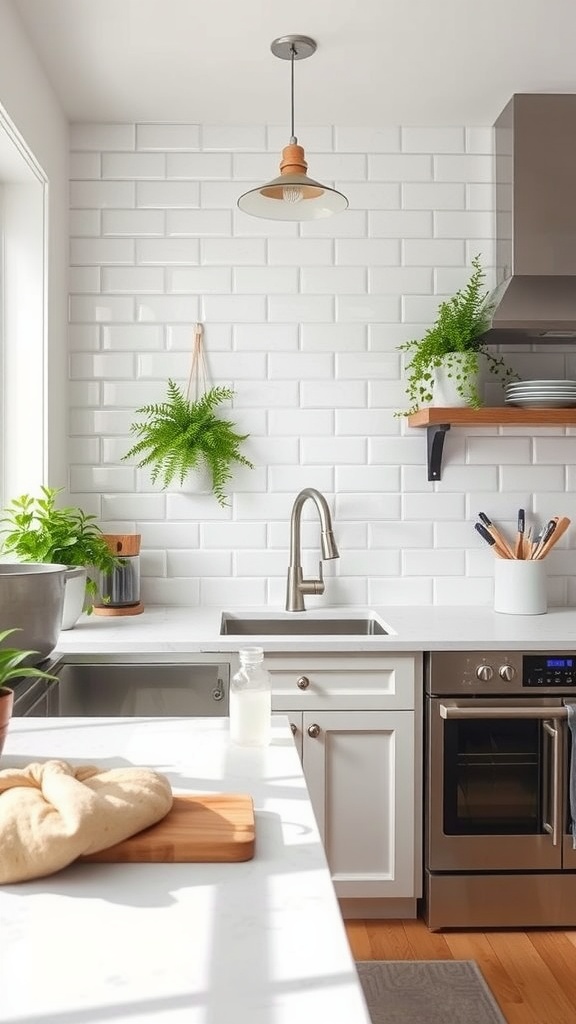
[507,673]
[484,672]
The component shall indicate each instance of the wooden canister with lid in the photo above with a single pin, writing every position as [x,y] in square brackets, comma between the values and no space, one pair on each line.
[119,590]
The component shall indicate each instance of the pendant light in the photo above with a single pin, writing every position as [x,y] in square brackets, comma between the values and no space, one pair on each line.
[293,195]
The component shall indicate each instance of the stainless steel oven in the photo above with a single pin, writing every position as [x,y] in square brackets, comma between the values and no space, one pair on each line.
[499,849]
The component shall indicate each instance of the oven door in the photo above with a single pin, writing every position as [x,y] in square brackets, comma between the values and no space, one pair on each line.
[495,785]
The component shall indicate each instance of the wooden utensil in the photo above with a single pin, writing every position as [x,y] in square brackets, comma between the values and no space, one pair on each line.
[562,525]
[519,548]
[487,536]
[501,541]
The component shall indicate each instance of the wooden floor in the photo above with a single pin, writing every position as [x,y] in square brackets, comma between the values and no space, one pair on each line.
[532,974]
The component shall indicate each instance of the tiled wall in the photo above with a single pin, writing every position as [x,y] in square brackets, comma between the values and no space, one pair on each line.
[303,321]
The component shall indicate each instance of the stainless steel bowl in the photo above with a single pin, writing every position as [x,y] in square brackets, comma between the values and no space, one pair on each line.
[31,600]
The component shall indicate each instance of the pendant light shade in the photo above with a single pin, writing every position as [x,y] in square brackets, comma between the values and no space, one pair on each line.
[293,195]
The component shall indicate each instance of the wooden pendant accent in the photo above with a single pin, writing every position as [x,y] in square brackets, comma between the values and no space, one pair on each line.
[293,160]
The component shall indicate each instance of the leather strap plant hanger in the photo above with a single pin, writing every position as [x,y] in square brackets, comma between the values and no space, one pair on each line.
[293,195]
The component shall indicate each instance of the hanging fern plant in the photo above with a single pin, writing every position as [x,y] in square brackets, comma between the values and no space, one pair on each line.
[180,435]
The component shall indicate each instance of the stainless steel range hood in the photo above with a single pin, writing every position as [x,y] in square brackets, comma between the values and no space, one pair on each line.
[535,220]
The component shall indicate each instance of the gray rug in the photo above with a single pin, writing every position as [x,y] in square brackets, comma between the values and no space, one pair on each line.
[427,992]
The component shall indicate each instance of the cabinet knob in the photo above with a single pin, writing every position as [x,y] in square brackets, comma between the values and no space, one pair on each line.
[294,728]
[303,683]
[314,731]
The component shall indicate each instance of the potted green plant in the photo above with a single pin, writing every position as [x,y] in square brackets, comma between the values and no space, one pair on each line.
[453,346]
[35,530]
[12,667]
[180,435]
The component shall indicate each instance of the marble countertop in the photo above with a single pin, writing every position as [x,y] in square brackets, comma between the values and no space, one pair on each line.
[180,631]
[260,942]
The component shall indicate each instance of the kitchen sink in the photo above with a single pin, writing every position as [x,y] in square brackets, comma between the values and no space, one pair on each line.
[262,625]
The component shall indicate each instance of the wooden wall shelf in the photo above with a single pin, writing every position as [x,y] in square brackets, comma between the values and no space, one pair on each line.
[438,420]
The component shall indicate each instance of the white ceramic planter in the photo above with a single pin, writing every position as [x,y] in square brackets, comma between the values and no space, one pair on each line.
[444,388]
[74,595]
[196,481]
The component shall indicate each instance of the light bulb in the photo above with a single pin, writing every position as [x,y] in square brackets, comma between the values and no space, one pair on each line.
[292,194]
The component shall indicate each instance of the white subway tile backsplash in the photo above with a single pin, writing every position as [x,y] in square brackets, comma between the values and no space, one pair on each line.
[300,252]
[303,321]
[265,337]
[167,194]
[102,136]
[201,223]
[84,223]
[100,309]
[132,337]
[85,165]
[309,308]
[133,223]
[133,280]
[84,279]
[167,137]
[368,140]
[463,225]
[199,165]
[433,196]
[101,194]
[401,167]
[269,280]
[333,280]
[432,140]
[198,280]
[403,224]
[168,308]
[300,366]
[99,251]
[133,165]
[400,280]
[101,366]
[344,337]
[463,168]
[233,251]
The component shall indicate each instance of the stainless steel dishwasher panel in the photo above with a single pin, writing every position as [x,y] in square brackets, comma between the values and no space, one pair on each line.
[144,690]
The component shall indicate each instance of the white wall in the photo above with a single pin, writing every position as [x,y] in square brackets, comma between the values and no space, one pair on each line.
[304,322]
[30,104]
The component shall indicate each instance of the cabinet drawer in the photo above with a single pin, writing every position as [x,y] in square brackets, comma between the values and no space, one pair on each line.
[348,682]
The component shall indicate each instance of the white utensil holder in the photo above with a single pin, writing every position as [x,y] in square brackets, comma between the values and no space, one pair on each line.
[520,586]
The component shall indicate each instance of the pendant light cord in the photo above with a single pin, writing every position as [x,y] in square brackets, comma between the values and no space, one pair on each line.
[293,139]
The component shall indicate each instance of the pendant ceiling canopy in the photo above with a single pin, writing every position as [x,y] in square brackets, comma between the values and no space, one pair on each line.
[293,195]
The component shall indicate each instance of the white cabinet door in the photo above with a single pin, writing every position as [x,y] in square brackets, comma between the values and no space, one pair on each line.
[361,774]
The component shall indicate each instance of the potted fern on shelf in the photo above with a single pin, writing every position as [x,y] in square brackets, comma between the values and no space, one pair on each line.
[36,530]
[180,435]
[444,365]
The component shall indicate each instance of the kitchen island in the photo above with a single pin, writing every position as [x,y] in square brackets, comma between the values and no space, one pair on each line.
[259,942]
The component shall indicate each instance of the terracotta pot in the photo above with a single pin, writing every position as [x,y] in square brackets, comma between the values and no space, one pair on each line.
[6,702]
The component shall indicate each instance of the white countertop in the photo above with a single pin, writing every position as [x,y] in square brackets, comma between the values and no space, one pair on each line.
[260,942]
[165,630]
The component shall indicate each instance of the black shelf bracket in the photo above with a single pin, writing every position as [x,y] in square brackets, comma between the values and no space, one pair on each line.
[435,434]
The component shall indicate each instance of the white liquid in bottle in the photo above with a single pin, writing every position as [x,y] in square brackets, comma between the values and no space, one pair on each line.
[251,700]
[250,717]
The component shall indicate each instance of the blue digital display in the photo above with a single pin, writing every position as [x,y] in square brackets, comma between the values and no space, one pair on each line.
[559,662]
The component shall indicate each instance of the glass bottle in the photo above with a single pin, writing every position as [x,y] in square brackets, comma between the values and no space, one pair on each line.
[251,700]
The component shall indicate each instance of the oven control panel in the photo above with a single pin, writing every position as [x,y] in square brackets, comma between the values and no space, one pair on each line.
[555,670]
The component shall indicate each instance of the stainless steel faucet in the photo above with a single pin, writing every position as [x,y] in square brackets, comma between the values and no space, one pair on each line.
[297,586]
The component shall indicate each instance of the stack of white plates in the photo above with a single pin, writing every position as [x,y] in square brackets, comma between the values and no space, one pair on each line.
[542,394]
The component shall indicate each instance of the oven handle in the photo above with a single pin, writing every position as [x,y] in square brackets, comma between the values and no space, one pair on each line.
[554,828]
[504,712]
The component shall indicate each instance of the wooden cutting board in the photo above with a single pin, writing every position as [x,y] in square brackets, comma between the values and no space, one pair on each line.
[214,827]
